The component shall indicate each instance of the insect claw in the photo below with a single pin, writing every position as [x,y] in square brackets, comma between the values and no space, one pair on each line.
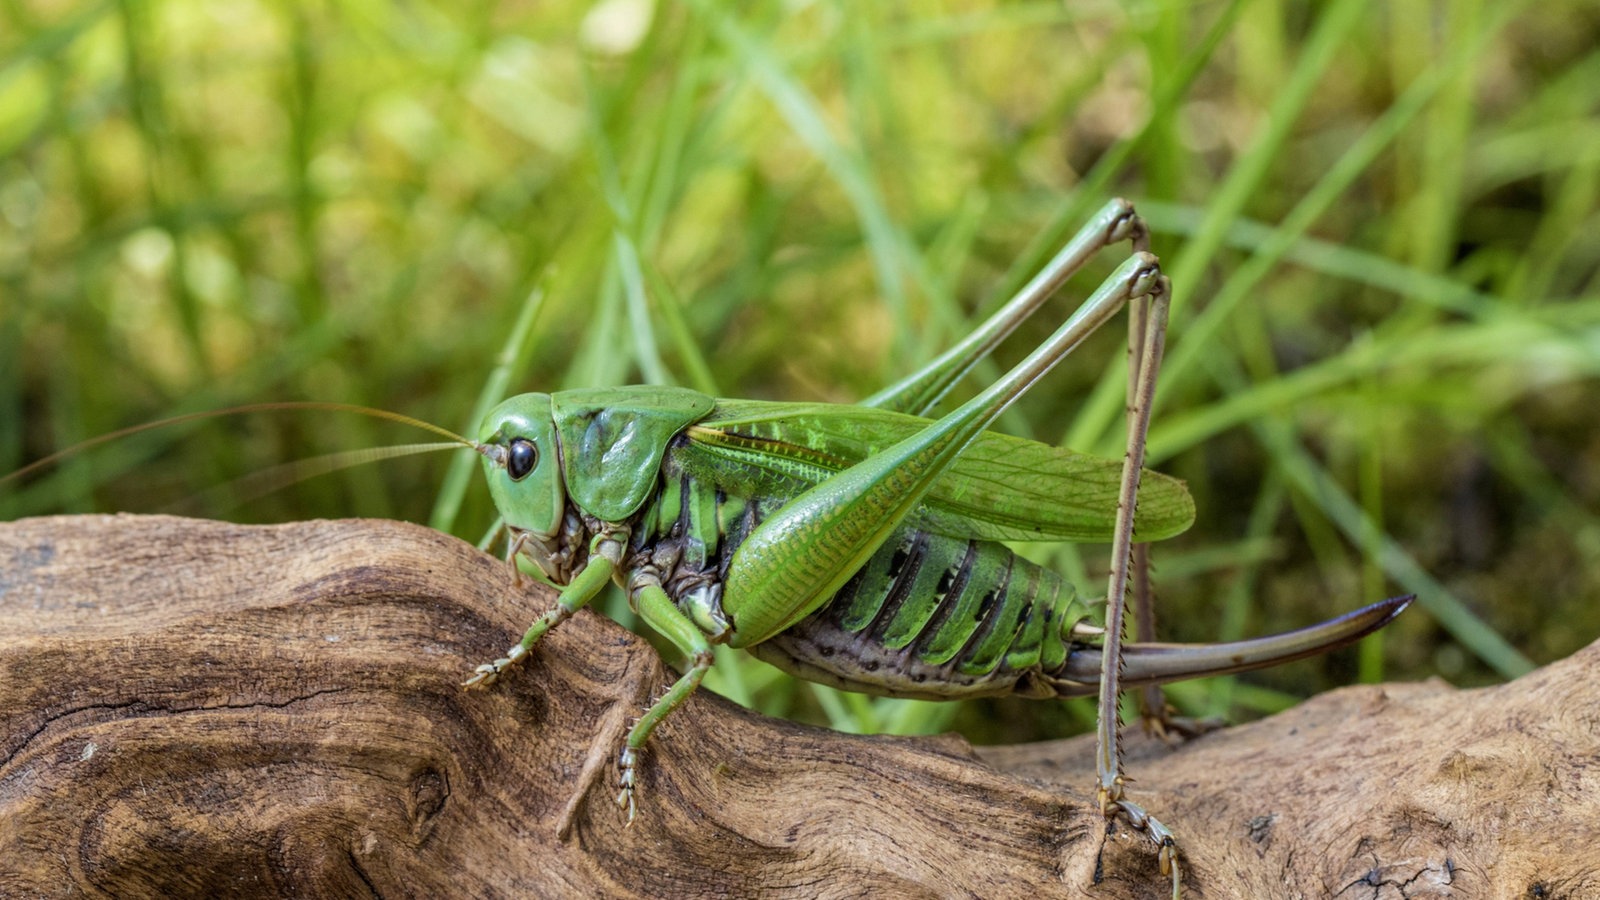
[1167,859]
[488,673]
[626,780]
[1146,824]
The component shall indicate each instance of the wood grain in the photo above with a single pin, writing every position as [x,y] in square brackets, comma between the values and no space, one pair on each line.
[192,708]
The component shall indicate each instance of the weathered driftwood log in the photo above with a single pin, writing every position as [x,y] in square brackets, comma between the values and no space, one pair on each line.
[194,708]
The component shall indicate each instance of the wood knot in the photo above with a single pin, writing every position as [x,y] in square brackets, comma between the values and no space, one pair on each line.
[430,788]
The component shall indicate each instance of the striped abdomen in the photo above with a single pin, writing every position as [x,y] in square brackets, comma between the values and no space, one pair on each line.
[928,616]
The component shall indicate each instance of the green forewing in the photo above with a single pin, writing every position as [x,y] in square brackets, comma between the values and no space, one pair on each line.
[1000,488]
[613,439]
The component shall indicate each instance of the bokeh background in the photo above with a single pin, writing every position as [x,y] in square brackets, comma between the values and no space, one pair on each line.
[1380,219]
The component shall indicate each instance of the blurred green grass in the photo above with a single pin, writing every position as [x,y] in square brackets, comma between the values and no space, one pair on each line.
[1381,222]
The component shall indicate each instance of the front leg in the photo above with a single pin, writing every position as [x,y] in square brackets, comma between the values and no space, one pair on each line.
[604,554]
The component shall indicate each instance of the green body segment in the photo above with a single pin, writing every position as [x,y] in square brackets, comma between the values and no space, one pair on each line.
[612,440]
[928,615]
[601,448]
[534,504]
[1001,487]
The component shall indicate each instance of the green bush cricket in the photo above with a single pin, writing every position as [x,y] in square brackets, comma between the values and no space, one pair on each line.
[859,546]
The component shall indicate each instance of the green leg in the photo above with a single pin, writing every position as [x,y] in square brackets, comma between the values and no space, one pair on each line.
[919,392]
[803,553]
[659,612]
[575,596]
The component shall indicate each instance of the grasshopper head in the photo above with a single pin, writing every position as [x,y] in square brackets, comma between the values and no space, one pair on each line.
[522,461]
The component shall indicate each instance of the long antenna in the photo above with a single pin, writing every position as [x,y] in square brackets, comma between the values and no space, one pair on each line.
[237,410]
[266,481]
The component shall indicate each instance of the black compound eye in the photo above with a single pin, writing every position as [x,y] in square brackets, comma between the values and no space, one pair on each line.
[524,456]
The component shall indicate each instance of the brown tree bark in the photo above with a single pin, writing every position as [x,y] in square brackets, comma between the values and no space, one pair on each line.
[193,708]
